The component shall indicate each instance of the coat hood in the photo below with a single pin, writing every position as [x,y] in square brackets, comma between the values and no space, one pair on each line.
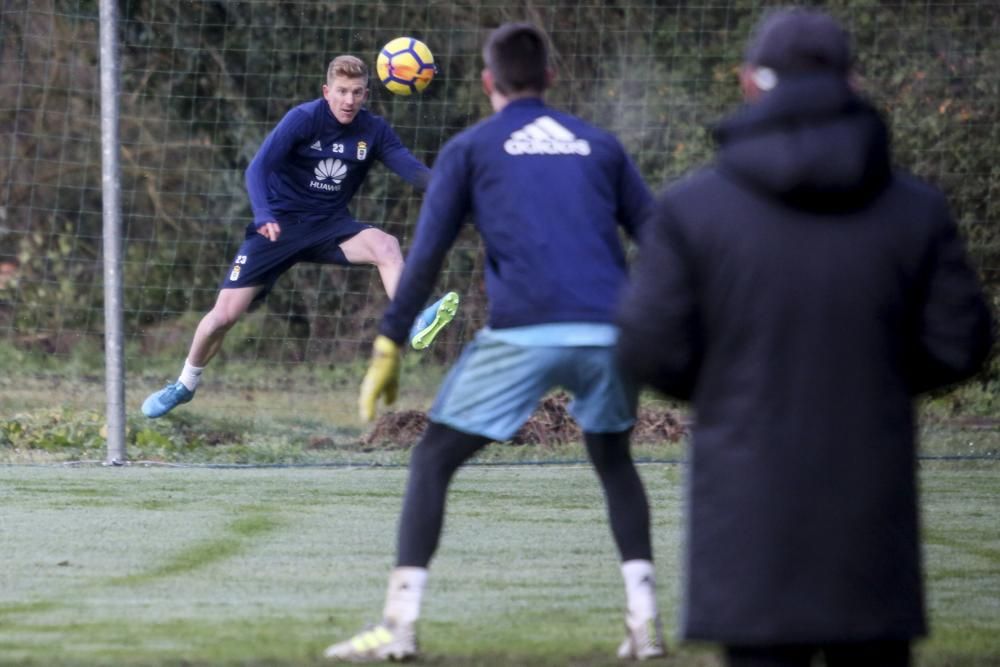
[810,142]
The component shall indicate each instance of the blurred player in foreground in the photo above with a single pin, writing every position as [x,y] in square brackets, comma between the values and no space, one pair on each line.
[548,194]
[300,184]
[801,292]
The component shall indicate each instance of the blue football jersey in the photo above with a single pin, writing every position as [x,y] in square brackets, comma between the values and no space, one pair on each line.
[549,194]
[310,165]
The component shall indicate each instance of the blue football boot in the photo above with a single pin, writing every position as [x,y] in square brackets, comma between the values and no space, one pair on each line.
[163,401]
[434,318]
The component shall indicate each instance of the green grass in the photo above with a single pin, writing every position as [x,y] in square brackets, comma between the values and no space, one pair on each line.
[300,418]
[309,416]
[197,567]
[148,565]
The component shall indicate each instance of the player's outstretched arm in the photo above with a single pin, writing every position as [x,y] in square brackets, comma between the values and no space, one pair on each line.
[635,201]
[402,162]
[441,216]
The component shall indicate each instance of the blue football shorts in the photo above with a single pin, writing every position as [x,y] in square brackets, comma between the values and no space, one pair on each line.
[495,386]
[260,261]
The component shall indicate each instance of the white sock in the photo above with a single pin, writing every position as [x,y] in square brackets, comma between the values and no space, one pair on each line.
[402,600]
[191,375]
[640,589]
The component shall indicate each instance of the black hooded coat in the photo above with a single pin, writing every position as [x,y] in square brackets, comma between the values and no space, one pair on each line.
[800,292]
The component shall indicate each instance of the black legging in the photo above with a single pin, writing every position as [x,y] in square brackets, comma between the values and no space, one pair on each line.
[852,654]
[624,494]
[442,450]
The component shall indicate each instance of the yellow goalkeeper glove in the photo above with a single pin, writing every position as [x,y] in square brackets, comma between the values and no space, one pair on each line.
[382,378]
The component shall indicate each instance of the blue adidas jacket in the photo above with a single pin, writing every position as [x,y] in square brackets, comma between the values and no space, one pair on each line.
[310,165]
[548,193]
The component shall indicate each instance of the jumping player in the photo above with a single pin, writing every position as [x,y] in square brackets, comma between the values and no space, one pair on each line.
[300,184]
[548,193]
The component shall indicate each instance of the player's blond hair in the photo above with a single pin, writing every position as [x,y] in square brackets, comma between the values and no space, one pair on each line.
[350,67]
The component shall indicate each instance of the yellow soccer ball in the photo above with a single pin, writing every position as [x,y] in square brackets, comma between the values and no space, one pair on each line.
[405,65]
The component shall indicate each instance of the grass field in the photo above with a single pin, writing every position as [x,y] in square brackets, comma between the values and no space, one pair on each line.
[310,417]
[201,566]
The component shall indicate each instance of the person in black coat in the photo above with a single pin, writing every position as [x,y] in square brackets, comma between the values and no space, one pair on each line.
[800,292]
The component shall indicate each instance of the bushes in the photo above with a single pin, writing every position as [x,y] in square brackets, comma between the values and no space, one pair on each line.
[203,82]
[69,434]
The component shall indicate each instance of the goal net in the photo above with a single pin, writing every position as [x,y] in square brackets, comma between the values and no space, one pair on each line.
[203,83]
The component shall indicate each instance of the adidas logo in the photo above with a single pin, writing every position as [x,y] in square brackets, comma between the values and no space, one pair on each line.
[544,136]
[316,146]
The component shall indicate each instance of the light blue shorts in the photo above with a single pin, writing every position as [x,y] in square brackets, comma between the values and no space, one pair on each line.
[495,386]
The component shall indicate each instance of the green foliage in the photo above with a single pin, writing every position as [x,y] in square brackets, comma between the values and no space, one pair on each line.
[67,435]
[53,430]
[203,82]
[54,286]
[70,434]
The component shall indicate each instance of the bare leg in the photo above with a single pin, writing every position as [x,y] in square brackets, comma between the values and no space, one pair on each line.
[230,305]
[373,246]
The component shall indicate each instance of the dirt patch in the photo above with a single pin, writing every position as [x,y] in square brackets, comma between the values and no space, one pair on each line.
[397,430]
[659,425]
[551,424]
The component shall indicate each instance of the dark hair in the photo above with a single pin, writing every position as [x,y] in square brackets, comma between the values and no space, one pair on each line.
[518,56]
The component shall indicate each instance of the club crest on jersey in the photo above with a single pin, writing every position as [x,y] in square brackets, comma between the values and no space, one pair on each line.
[362,150]
[235,273]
